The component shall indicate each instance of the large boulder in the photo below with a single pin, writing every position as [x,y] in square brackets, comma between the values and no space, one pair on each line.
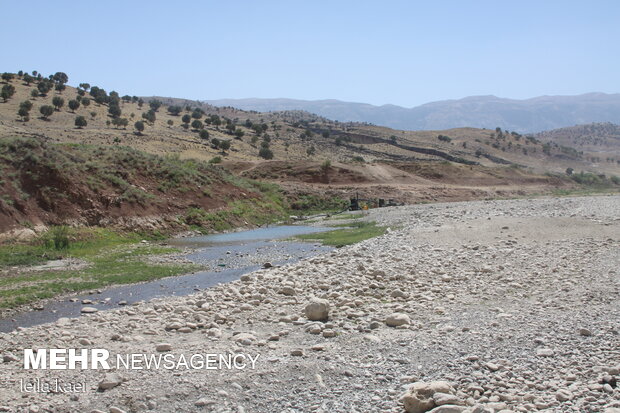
[397,319]
[419,397]
[317,310]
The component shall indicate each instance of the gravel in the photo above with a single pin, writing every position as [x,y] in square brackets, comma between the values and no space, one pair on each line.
[489,306]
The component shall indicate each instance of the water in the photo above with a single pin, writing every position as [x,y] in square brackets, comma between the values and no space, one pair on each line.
[225,256]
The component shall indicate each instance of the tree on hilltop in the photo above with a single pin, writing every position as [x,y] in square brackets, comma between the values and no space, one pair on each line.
[7,92]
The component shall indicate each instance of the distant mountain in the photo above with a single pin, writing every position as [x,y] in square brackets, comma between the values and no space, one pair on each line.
[524,116]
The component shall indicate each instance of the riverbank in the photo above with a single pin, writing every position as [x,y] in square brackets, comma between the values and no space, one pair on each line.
[513,303]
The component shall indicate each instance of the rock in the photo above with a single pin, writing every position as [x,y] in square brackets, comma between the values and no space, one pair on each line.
[563,395]
[297,352]
[114,409]
[245,338]
[492,366]
[448,408]
[445,398]
[267,265]
[317,310]
[163,347]
[110,380]
[397,319]
[585,332]
[204,402]
[88,310]
[545,352]
[612,410]
[419,396]
[287,290]
[8,357]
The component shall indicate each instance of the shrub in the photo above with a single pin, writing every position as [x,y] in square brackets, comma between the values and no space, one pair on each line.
[265,153]
[57,237]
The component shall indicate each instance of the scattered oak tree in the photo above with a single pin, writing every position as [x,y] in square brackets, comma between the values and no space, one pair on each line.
[80,122]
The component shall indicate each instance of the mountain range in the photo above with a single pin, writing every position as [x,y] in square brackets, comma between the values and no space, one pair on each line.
[523,116]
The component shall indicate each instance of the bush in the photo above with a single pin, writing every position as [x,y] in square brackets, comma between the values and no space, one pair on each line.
[57,237]
[265,153]
[216,159]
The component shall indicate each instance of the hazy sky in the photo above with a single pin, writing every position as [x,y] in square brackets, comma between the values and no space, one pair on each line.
[401,52]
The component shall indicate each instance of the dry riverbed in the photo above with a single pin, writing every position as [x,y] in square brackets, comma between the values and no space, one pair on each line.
[489,306]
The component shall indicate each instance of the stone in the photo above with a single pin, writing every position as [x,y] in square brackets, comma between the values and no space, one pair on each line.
[563,395]
[585,332]
[297,352]
[397,319]
[115,409]
[88,310]
[202,402]
[317,310]
[448,408]
[110,380]
[419,396]
[445,398]
[161,347]
[545,352]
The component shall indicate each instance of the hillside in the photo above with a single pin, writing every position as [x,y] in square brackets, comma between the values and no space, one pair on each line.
[601,140]
[97,158]
[91,185]
[523,116]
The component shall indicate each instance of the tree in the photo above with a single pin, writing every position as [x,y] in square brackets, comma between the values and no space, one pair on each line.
[74,105]
[225,145]
[24,113]
[27,79]
[34,93]
[60,87]
[80,122]
[204,134]
[197,114]
[46,111]
[85,102]
[186,119]
[114,110]
[155,104]
[93,114]
[58,102]
[215,142]
[60,77]
[569,171]
[175,110]
[26,104]
[239,133]
[7,77]
[265,153]
[170,123]
[43,87]
[197,125]
[149,116]
[85,86]
[139,125]
[7,92]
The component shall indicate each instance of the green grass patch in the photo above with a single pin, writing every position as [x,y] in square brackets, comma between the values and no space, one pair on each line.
[113,258]
[354,233]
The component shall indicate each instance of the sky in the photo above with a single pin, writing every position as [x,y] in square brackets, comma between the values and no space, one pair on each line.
[381,52]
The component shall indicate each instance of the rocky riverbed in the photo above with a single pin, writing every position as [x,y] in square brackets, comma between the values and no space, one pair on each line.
[490,306]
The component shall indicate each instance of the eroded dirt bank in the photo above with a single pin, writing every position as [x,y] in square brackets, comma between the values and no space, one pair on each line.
[514,303]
